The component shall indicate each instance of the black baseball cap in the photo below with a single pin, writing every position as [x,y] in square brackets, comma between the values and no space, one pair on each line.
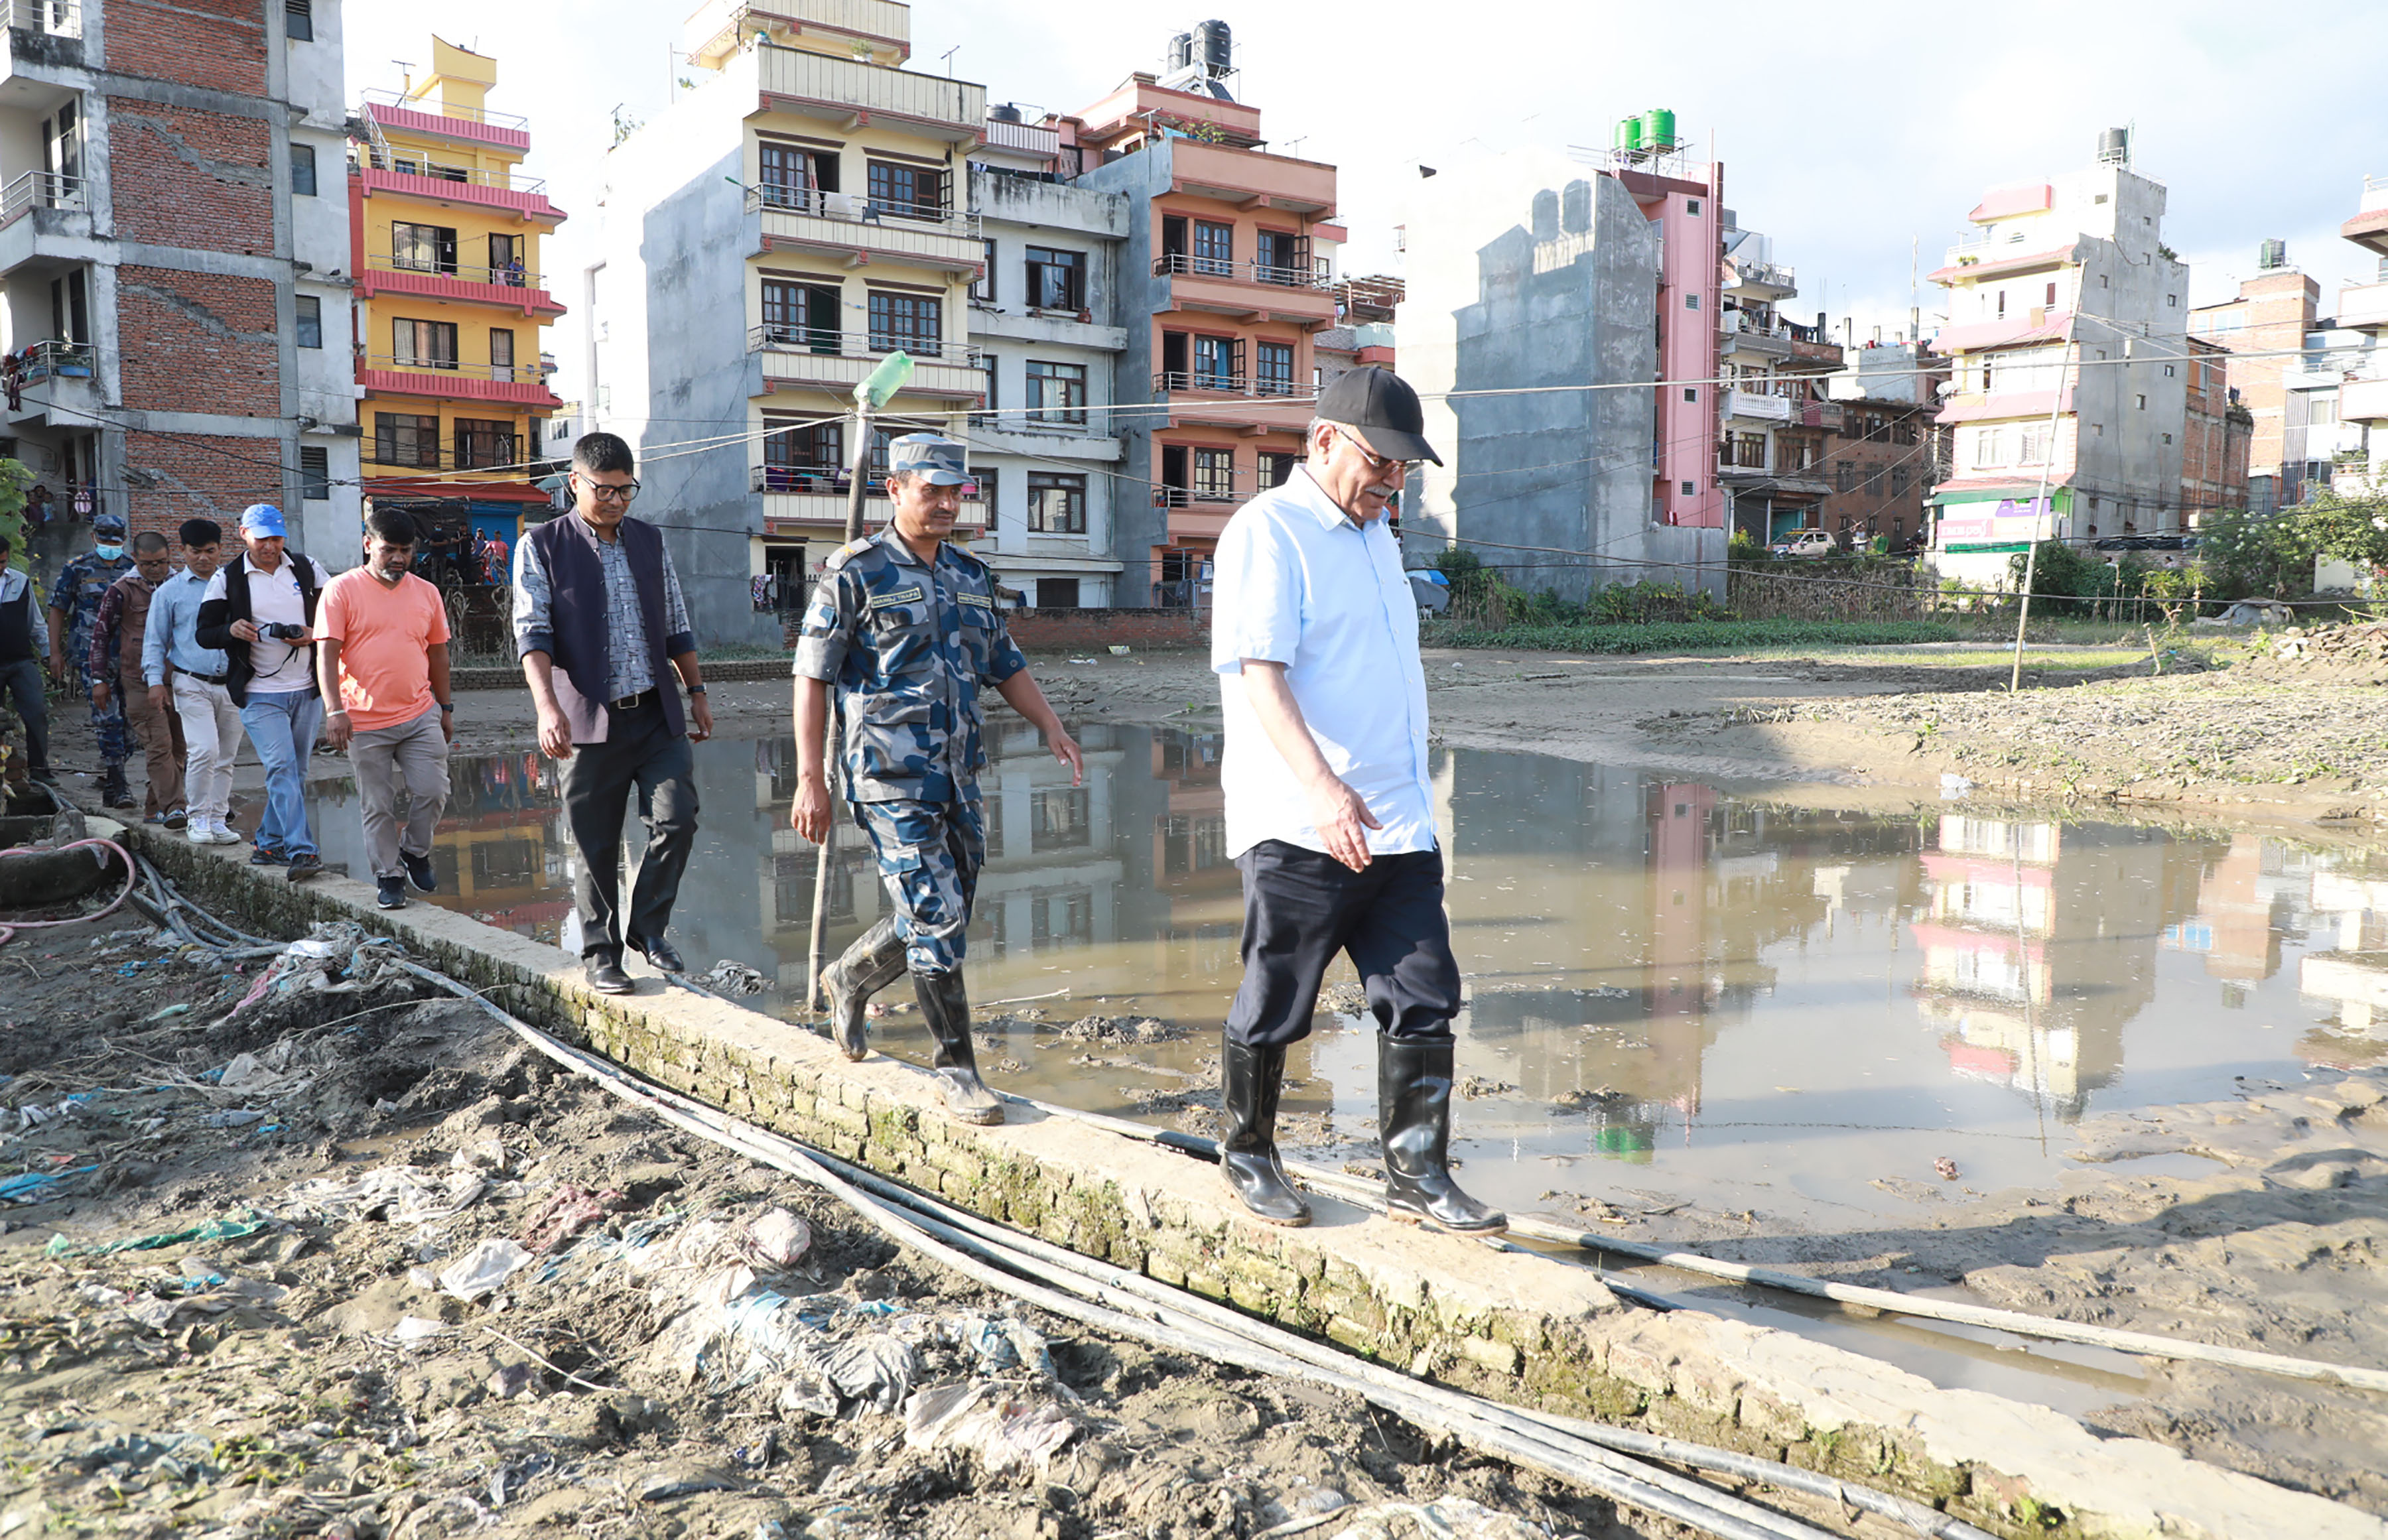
[1381,410]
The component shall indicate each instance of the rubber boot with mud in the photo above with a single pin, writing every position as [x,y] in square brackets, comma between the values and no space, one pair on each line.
[1414,1114]
[945,1005]
[873,962]
[1251,1077]
[114,790]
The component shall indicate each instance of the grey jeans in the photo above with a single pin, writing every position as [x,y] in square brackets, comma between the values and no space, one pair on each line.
[411,758]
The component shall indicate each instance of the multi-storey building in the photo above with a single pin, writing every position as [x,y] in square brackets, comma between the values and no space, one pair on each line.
[2363,309]
[2216,432]
[1044,318]
[1776,409]
[1887,451]
[765,243]
[446,238]
[173,245]
[1363,333]
[2068,339]
[2268,322]
[1593,292]
[1226,272]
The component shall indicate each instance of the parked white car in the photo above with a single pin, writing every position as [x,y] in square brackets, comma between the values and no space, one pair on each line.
[1805,542]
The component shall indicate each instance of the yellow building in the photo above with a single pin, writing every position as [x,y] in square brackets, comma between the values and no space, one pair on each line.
[452,305]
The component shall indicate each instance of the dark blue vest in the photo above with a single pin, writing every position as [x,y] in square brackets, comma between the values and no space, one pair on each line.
[577,613]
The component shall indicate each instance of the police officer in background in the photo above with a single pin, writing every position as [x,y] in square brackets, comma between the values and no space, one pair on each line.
[74,612]
[904,628]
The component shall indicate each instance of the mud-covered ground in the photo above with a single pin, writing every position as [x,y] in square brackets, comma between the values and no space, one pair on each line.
[234,1303]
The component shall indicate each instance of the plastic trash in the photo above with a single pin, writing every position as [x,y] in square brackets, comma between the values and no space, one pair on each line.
[215,1230]
[34,1186]
[569,1210]
[404,1194]
[777,1240]
[1953,785]
[483,1271]
[1003,1430]
[878,1370]
[236,1120]
[731,978]
[415,1331]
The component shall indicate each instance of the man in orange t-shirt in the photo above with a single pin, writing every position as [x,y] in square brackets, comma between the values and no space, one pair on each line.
[382,661]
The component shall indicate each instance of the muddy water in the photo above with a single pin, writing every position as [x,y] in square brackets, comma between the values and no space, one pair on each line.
[1680,993]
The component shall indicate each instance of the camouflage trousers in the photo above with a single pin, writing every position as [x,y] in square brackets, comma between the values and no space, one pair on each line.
[929,857]
[108,726]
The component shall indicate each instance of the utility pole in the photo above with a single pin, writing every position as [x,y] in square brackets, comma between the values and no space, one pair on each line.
[2046,464]
[890,376]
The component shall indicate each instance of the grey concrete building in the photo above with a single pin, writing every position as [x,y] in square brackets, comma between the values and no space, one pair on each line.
[1534,274]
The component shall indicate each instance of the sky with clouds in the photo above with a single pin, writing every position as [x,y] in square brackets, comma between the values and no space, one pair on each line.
[1849,133]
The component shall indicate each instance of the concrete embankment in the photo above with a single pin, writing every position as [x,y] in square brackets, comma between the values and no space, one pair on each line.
[1513,1326]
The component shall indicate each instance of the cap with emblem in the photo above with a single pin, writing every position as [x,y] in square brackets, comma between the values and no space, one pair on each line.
[1381,410]
[937,461]
[262,518]
[108,523]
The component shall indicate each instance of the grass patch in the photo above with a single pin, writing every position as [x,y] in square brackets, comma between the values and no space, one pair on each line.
[1702,635]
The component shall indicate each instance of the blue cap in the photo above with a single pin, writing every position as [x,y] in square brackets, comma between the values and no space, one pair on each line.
[262,518]
[108,523]
[937,461]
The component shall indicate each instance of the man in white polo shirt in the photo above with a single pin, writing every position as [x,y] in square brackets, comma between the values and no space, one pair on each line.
[1329,817]
[259,611]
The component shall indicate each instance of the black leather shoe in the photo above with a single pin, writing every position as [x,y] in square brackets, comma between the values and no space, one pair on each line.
[304,867]
[956,1064]
[1414,1114]
[1251,1079]
[659,954]
[873,962]
[605,976]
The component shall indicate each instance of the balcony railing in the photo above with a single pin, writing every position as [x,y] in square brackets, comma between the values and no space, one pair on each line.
[438,171]
[424,104]
[857,209]
[1171,380]
[509,277]
[1764,274]
[43,361]
[1188,497]
[44,17]
[956,106]
[801,479]
[497,373]
[1179,263]
[41,190]
[499,453]
[780,338]
[1029,137]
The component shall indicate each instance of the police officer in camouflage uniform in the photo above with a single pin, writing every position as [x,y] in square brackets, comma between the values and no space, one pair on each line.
[904,629]
[75,610]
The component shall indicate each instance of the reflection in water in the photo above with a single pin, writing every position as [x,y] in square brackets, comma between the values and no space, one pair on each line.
[1779,1005]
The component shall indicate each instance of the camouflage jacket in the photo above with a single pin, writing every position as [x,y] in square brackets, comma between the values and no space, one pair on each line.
[904,647]
[82,583]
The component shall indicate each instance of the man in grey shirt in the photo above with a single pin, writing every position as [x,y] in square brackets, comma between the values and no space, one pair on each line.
[602,628]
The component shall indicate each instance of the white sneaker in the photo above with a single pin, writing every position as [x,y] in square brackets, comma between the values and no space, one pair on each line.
[205,832]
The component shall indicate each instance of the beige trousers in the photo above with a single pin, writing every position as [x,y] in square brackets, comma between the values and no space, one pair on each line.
[410,759]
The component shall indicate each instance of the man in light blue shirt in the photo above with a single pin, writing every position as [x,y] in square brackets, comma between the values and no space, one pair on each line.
[191,678]
[1330,818]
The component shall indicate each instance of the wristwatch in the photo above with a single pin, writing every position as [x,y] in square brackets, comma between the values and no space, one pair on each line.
[447,705]
[696,690]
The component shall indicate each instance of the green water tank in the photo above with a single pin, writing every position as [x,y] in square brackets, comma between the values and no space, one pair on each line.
[1628,134]
[1658,130]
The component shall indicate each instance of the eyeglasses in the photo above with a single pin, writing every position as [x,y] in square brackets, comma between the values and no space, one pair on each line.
[1378,466]
[604,493]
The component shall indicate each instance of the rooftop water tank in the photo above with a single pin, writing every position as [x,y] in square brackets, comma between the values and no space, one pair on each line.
[1658,130]
[1181,52]
[2272,254]
[2114,146]
[1214,41]
[1002,112]
[1629,134]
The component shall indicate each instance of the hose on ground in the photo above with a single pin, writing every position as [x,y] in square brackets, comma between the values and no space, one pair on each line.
[1370,1194]
[132,880]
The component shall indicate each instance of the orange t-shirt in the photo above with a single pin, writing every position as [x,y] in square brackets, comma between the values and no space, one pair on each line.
[386,636]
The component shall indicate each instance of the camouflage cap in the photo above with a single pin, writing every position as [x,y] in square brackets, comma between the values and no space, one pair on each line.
[108,524]
[938,460]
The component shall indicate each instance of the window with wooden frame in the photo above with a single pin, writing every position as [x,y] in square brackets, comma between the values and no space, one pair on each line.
[1215,476]
[1272,369]
[406,438]
[422,248]
[501,355]
[484,444]
[1276,466]
[423,344]
[1218,363]
[908,192]
[1056,279]
[914,322]
[793,177]
[808,457]
[1056,393]
[1214,248]
[1281,257]
[1057,502]
[803,316]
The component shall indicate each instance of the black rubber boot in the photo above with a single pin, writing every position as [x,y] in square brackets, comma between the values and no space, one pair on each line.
[1252,1078]
[1413,1113]
[873,962]
[947,1008]
[114,790]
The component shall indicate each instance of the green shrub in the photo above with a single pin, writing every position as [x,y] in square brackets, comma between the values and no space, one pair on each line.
[1696,635]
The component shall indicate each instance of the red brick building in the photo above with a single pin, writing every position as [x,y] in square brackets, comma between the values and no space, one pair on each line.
[172,230]
[2269,319]
[2215,435]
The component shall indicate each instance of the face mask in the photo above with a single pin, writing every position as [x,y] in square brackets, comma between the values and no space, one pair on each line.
[108,553]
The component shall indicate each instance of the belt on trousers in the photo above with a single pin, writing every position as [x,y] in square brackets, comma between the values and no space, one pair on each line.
[632,703]
[204,678]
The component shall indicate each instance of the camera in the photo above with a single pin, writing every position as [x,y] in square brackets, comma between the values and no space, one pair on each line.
[282,631]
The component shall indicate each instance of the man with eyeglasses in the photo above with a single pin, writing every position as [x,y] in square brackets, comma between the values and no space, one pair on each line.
[602,627]
[1331,816]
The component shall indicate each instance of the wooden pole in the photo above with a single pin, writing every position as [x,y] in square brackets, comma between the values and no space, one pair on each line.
[856,490]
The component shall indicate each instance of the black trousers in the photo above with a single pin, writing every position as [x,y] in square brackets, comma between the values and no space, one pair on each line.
[21,682]
[641,752]
[1300,908]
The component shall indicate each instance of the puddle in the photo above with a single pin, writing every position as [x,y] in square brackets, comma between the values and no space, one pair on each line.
[1682,994]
